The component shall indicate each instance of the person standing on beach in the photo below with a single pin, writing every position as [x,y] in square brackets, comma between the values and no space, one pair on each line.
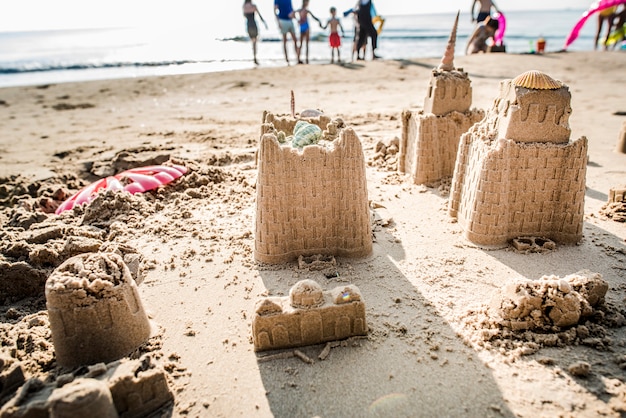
[334,39]
[303,20]
[284,16]
[484,11]
[366,27]
[477,42]
[249,12]
[606,15]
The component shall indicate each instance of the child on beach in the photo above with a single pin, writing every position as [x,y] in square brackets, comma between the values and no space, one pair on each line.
[483,32]
[303,21]
[334,38]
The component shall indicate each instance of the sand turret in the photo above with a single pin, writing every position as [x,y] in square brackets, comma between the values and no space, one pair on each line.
[311,199]
[95,311]
[430,137]
[517,172]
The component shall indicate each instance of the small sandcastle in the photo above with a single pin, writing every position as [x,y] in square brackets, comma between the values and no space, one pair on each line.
[517,172]
[430,138]
[95,311]
[308,316]
[311,190]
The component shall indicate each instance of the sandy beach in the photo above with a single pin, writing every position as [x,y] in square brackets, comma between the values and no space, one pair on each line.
[424,285]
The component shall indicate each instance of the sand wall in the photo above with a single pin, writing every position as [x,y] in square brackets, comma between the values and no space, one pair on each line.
[312,201]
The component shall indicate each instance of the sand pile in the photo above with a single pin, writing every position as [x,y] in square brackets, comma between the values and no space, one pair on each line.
[525,315]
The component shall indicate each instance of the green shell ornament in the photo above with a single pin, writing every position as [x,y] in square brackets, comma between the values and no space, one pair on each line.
[305,133]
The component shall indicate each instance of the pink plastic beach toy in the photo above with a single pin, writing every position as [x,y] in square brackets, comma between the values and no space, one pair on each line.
[498,38]
[594,8]
[136,180]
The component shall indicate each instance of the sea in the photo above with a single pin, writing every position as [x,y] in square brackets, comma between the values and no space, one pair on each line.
[45,57]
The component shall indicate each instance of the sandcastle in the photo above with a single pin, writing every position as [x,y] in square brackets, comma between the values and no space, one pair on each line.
[125,388]
[615,207]
[308,316]
[95,311]
[517,173]
[430,138]
[313,199]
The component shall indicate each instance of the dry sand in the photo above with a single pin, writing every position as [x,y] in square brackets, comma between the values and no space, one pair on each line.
[190,245]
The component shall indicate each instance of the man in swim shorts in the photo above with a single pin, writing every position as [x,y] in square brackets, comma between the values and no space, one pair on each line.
[284,15]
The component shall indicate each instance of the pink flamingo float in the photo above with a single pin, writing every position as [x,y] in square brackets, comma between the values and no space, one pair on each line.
[135,180]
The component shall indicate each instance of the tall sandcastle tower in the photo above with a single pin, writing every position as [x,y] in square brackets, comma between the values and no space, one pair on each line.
[517,172]
[430,137]
[311,196]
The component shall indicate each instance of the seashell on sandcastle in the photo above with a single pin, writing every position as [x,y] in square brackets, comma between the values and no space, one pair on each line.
[517,173]
[308,316]
[310,199]
[95,311]
[430,137]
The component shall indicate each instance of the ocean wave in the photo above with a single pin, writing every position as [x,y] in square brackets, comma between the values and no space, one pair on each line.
[39,67]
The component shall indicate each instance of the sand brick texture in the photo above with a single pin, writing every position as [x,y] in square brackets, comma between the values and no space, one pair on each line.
[430,138]
[429,143]
[311,201]
[448,91]
[503,188]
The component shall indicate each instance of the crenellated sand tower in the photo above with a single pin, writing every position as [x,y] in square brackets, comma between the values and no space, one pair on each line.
[517,172]
[430,137]
[311,200]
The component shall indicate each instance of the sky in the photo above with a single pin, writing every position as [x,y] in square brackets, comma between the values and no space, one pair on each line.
[175,14]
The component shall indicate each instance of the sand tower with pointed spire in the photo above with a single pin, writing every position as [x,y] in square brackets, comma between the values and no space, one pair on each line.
[430,137]
[311,199]
[517,173]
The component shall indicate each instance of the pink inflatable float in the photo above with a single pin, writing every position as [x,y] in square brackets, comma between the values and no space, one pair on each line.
[135,180]
[498,38]
[594,8]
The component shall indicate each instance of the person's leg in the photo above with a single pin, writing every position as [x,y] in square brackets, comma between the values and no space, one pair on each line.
[338,54]
[362,39]
[254,50]
[285,47]
[300,46]
[306,54]
[374,36]
[600,22]
[295,42]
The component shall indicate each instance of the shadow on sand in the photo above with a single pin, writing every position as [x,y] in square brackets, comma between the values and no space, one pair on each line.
[411,364]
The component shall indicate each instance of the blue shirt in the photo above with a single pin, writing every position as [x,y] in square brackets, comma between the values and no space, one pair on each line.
[284,9]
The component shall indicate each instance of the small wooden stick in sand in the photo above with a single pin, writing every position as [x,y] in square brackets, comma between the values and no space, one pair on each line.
[293,105]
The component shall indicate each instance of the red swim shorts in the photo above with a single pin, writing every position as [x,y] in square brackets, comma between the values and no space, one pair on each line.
[335,40]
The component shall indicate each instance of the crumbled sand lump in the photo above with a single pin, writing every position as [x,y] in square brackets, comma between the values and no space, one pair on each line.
[615,208]
[549,301]
[525,315]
